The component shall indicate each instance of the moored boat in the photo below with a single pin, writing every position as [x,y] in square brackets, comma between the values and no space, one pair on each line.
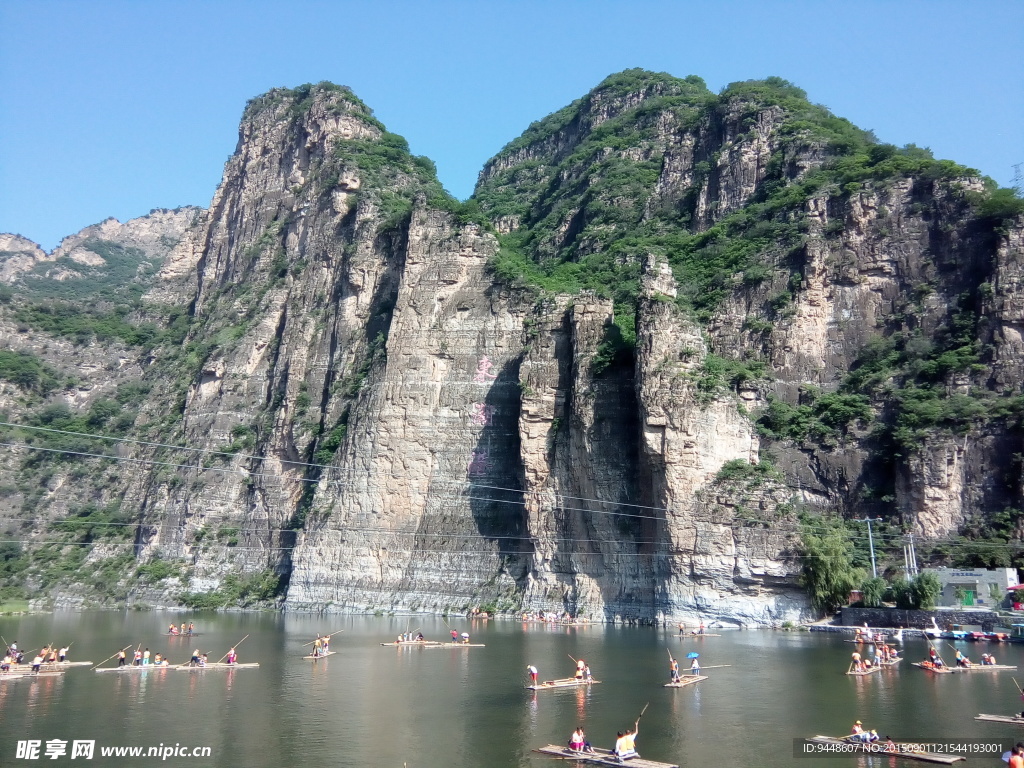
[600,757]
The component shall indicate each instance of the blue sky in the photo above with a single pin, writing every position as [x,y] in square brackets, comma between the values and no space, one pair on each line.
[114,108]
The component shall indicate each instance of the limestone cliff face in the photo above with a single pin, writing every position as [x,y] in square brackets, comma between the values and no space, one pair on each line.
[364,400]
[147,238]
[17,255]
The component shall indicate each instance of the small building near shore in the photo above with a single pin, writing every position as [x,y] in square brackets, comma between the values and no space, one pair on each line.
[975,586]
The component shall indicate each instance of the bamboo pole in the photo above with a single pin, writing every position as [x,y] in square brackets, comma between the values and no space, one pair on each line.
[233,646]
[641,714]
[311,642]
[108,659]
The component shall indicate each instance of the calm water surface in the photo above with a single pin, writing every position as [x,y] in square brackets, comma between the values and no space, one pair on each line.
[455,708]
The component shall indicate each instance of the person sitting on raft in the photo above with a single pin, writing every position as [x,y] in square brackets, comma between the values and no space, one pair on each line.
[625,744]
[576,743]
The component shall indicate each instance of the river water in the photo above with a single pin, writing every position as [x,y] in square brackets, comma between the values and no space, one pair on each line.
[452,708]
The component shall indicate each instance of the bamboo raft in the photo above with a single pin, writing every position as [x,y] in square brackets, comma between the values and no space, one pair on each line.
[417,643]
[600,757]
[457,645]
[890,663]
[878,749]
[986,667]
[701,634]
[321,656]
[861,673]
[1001,719]
[50,666]
[568,682]
[19,675]
[134,668]
[182,634]
[943,670]
[686,680]
[218,665]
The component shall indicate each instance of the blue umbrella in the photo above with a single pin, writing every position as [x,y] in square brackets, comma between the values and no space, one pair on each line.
[692,655]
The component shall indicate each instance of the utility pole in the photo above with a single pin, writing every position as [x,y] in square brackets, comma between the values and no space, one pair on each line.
[871,541]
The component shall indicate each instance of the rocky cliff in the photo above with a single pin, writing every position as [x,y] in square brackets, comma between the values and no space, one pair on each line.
[669,331]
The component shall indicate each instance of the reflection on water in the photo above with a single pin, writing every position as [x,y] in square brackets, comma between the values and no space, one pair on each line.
[423,707]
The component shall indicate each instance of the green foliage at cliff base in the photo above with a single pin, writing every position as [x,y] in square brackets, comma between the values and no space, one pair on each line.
[237,590]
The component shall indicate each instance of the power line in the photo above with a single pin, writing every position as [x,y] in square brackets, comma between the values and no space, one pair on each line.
[337,483]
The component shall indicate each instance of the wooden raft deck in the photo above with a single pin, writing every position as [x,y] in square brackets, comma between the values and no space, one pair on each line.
[686,680]
[1001,719]
[415,643]
[877,749]
[861,673]
[19,675]
[51,666]
[570,682]
[457,645]
[321,656]
[986,668]
[249,665]
[600,757]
